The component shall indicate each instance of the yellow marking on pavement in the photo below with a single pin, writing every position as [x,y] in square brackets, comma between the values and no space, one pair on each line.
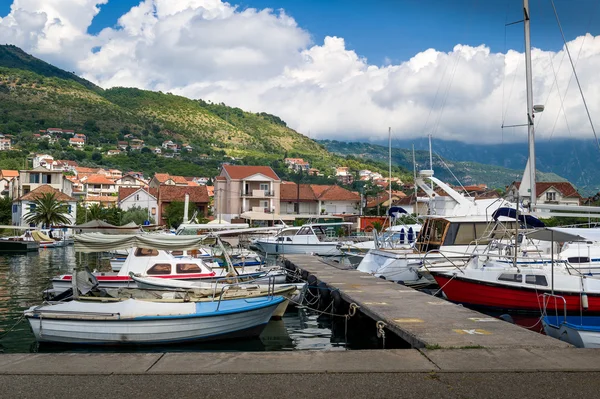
[375,303]
[475,331]
[408,320]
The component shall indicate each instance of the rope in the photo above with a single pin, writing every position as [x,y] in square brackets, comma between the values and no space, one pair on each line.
[380,325]
[13,326]
[442,287]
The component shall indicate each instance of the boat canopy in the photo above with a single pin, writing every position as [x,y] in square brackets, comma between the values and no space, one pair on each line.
[564,234]
[97,242]
[528,220]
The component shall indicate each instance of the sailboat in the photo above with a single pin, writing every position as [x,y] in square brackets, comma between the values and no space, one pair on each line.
[519,283]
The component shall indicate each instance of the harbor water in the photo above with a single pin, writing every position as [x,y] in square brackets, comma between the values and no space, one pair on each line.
[24,277]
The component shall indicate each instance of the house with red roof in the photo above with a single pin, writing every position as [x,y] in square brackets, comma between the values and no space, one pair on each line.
[315,199]
[77,142]
[98,184]
[198,199]
[25,204]
[130,197]
[167,179]
[555,193]
[241,189]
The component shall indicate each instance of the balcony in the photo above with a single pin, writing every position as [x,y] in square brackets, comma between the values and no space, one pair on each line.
[257,193]
[261,209]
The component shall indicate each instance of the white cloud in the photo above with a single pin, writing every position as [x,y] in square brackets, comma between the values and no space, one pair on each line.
[261,60]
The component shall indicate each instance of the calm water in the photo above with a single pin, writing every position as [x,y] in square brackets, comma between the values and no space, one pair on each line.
[24,277]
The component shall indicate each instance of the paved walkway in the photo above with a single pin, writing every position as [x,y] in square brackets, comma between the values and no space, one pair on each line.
[473,373]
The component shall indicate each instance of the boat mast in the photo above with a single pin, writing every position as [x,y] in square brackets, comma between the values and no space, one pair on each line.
[430,158]
[390,168]
[530,127]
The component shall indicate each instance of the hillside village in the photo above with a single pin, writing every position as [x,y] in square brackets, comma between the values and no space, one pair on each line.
[247,193]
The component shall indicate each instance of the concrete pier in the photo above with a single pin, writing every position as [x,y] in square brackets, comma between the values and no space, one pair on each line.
[420,319]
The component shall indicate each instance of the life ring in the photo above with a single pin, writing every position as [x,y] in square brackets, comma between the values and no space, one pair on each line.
[229,277]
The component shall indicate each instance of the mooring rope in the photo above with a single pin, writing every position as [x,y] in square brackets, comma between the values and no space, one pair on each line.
[13,326]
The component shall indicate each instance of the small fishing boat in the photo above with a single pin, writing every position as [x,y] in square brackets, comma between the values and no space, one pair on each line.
[139,322]
[161,264]
[161,284]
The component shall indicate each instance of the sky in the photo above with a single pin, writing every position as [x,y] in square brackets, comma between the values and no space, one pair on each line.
[337,69]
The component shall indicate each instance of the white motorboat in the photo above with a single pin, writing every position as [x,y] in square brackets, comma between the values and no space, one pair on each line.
[313,238]
[135,322]
[161,264]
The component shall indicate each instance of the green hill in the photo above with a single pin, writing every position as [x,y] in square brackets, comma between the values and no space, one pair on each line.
[35,95]
[450,171]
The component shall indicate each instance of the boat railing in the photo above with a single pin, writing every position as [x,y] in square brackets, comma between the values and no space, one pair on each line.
[452,261]
[546,298]
[270,289]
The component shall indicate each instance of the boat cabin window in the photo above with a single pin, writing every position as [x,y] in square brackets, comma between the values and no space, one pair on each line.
[188,268]
[146,252]
[177,253]
[579,259]
[160,268]
[305,231]
[465,233]
[536,279]
[512,277]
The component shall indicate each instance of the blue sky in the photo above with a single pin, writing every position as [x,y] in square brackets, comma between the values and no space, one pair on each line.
[398,29]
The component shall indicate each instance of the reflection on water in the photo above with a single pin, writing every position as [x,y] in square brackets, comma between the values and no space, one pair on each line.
[24,277]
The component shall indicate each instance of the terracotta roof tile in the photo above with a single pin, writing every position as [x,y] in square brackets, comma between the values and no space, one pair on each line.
[38,192]
[289,192]
[169,193]
[337,193]
[98,179]
[101,198]
[9,173]
[238,172]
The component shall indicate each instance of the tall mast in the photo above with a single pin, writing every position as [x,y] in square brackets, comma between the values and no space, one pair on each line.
[430,158]
[390,166]
[530,127]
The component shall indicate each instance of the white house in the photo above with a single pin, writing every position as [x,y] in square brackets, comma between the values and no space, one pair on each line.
[44,160]
[25,204]
[130,197]
[29,180]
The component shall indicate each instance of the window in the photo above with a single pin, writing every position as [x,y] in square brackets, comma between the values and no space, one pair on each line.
[146,252]
[137,197]
[47,178]
[34,178]
[153,211]
[188,268]
[69,209]
[536,279]
[31,207]
[550,196]
[160,268]
[512,277]
[579,259]
[264,187]
[264,204]
[305,231]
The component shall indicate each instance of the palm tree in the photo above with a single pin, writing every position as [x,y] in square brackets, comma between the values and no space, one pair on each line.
[48,211]
[96,212]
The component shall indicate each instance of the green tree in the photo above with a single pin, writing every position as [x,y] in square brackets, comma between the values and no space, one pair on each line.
[135,214]
[96,156]
[174,213]
[5,210]
[48,211]
[96,212]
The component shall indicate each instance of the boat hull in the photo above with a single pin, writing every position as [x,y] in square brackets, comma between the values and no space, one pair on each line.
[144,330]
[496,296]
[582,332]
[328,249]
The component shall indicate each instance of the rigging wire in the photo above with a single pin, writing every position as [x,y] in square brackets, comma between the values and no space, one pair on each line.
[453,175]
[575,73]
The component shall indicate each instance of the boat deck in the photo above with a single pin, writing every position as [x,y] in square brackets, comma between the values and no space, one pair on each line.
[420,319]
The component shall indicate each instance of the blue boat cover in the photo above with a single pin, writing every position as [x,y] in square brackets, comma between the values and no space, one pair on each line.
[582,323]
[527,220]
